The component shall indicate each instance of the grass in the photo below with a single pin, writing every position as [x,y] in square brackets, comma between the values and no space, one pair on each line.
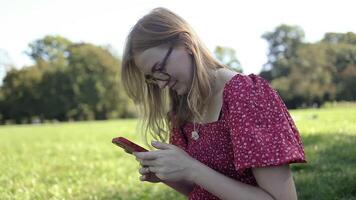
[78,161]
[329,137]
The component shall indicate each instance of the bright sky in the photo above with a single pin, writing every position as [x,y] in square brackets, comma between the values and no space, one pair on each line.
[238,24]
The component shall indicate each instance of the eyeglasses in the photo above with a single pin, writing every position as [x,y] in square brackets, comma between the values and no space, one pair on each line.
[157,70]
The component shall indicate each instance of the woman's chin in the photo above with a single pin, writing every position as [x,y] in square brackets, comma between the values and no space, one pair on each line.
[180,91]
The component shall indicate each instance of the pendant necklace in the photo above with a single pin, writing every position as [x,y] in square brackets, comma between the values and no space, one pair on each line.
[195,133]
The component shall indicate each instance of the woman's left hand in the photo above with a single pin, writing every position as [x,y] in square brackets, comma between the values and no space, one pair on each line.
[169,163]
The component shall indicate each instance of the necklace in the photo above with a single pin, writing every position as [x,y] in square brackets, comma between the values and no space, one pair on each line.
[195,133]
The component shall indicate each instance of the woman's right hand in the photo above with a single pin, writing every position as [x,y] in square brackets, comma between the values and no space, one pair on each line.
[148,176]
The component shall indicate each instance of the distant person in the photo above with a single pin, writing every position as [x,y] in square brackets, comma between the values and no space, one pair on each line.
[230,135]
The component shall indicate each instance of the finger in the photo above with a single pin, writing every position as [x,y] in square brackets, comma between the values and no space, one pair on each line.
[161,145]
[140,161]
[144,170]
[148,163]
[143,178]
[153,169]
[149,155]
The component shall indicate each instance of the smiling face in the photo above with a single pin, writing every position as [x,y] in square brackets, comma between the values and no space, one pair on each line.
[178,65]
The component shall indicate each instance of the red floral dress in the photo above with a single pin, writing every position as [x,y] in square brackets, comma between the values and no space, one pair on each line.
[254,129]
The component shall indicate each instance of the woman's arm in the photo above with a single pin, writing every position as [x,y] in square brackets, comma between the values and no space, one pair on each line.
[277,183]
[182,187]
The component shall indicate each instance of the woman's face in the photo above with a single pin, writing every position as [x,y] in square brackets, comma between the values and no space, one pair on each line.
[178,65]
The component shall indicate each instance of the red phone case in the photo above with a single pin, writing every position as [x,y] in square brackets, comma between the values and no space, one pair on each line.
[129,146]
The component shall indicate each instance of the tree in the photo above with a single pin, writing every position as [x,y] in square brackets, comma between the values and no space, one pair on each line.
[283,43]
[50,49]
[316,72]
[339,38]
[20,94]
[227,56]
[95,76]
[342,58]
[310,80]
[5,63]
[77,81]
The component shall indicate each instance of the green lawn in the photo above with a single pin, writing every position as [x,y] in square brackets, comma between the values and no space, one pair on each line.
[78,161]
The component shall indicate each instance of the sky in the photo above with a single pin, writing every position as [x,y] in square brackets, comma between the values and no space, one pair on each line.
[238,24]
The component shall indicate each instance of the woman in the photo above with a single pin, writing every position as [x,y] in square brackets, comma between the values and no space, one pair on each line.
[230,135]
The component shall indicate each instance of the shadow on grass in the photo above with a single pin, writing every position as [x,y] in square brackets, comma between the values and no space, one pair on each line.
[331,169]
[329,174]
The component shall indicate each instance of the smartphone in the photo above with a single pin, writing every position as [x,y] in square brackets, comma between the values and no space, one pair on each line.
[129,146]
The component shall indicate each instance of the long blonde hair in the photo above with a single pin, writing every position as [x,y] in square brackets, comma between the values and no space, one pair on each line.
[159,116]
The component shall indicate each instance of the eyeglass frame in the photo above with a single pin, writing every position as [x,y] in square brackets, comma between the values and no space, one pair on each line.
[162,65]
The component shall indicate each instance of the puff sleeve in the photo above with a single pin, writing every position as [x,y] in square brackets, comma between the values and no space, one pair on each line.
[261,129]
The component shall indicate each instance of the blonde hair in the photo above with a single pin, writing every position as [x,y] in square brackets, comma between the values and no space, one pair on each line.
[159,116]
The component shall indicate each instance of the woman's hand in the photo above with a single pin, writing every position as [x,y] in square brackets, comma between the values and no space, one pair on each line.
[148,176]
[169,163]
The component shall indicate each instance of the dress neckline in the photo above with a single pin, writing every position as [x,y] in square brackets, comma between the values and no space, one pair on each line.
[222,106]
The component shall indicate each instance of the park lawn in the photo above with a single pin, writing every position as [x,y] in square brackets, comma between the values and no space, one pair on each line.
[329,137]
[78,161]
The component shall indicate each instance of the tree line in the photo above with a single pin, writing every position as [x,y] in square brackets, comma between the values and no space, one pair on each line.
[307,74]
[80,81]
[69,81]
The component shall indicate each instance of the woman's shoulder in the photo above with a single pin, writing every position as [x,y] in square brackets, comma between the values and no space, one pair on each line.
[242,86]
[244,80]
[238,81]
